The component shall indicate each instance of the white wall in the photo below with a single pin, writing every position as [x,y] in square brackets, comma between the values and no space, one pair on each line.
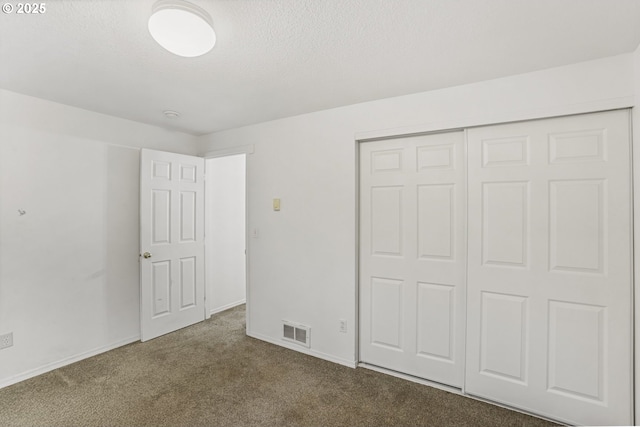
[226,240]
[636,201]
[303,265]
[69,279]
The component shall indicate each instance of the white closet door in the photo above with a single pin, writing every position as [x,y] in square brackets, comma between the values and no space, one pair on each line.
[549,284]
[412,255]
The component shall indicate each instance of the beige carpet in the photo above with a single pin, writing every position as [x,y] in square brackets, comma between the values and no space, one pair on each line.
[212,374]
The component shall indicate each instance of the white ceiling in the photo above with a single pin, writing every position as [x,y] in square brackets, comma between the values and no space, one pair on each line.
[278,58]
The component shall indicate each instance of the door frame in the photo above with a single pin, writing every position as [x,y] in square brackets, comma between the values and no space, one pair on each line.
[527,115]
[224,152]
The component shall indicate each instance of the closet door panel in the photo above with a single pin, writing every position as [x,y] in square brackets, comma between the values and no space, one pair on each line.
[412,255]
[549,308]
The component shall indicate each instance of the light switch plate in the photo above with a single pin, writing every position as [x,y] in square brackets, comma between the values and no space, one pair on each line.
[276,204]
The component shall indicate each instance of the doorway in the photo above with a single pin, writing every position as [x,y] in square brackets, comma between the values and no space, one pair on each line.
[225,224]
[181,283]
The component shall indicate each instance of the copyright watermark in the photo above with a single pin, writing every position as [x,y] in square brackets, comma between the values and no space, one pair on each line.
[24,8]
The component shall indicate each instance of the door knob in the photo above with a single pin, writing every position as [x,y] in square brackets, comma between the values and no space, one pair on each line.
[146,255]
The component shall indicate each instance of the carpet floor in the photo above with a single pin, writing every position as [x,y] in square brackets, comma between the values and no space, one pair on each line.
[212,374]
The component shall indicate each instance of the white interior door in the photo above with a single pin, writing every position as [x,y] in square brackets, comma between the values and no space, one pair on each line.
[549,275]
[412,255]
[171,242]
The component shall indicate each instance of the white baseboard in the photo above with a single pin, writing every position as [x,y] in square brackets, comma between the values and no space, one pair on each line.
[309,351]
[66,361]
[226,307]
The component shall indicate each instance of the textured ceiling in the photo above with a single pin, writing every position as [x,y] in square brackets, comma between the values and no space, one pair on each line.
[278,58]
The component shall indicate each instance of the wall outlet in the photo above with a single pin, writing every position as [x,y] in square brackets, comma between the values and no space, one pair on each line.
[343,326]
[6,340]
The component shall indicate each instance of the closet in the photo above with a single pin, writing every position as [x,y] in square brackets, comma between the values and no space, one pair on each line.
[497,260]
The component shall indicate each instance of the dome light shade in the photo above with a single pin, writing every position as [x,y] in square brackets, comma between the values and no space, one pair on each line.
[182,28]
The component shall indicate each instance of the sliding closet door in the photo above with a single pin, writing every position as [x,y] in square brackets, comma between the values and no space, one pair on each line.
[549,276]
[412,255]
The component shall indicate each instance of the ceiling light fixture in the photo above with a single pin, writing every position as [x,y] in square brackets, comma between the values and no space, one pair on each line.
[182,28]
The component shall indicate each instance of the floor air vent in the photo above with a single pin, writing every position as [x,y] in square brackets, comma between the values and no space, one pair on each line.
[294,332]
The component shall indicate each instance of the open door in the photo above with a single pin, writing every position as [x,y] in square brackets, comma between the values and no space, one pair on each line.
[171,242]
